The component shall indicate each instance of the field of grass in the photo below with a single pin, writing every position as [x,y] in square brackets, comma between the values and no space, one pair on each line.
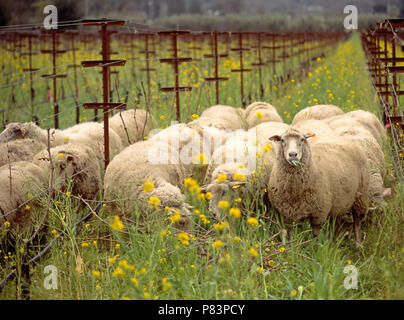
[246,255]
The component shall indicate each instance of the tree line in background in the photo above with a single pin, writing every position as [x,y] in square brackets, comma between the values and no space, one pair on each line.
[209,14]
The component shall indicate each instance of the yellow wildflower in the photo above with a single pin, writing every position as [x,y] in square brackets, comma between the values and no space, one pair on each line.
[117,224]
[235,212]
[252,221]
[217,244]
[148,185]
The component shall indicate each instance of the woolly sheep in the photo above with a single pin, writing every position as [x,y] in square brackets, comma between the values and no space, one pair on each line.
[29,130]
[128,171]
[375,158]
[138,123]
[317,112]
[331,180]
[19,150]
[318,127]
[91,134]
[26,178]
[245,154]
[222,117]
[361,118]
[259,112]
[74,162]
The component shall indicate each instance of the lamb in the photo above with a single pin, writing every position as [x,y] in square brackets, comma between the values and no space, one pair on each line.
[76,163]
[153,161]
[328,179]
[361,118]
[375,158]
[26,178]
[221,117]
[317,112]
[138,123]
[259,112]
[91,134]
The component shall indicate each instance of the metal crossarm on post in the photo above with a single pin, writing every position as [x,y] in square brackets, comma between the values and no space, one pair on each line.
[105,64]
[175,61]
[216,55]
[240,49]
[54,51]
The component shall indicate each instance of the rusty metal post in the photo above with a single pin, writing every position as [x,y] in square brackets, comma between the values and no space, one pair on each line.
[175,61]
[215,54]
[260,62]
[147,54]
[105,63]
[54,75]
[240,50]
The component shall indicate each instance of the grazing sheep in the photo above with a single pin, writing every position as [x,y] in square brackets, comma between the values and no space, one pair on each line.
[19,150]
[91,134]
[259,112]
[319,181]
[27,180]
[318,112]
[74,163]
[144,161]
[222,117]
[375,158]
[29,130]
[138,123]
[245,156]
[361,118]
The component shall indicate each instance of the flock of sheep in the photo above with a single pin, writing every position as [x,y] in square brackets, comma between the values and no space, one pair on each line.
[327,163]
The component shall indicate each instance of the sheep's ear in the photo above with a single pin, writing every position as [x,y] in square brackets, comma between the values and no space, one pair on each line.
[309,135]
[275,138]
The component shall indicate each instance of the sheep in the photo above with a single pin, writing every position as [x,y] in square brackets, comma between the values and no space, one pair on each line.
[319,181]
[259,112]
[144,161]
[29,130]
[138,123]
[27,180]
[317,112]
[19,150]
[91,134]
[359,118]
[222,117]
[319,127]
[375,158]
[244,156]
[76,163]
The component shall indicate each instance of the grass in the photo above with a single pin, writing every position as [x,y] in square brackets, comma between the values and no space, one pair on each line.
[247,257]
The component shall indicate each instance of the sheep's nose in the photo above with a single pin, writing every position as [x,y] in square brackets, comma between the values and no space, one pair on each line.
[293,154]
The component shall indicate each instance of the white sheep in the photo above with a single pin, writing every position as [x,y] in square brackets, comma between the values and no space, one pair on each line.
[328,179]
[246,156]
[259,112]
[26,181]
[375,158]
[317,112]
[319,127]
[19,150]
[137,122]
[141,162]
[91,134]
[29,130]
[222,117]
[361,118]
[74,164]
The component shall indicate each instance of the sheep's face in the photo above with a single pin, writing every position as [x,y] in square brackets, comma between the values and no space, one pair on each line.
[292,144]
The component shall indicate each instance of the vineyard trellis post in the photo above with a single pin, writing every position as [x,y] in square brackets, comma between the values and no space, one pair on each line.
[175,61]
[105,63]
[54,51]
